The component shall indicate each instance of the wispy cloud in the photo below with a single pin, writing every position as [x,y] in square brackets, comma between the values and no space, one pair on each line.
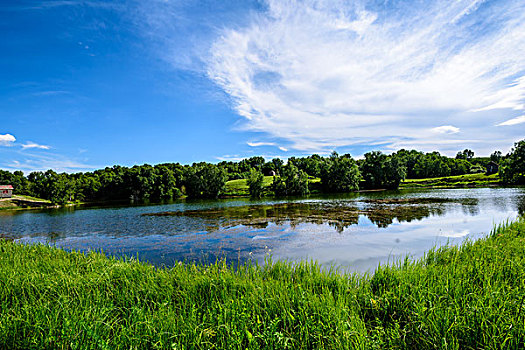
[7,140]
[51,93]
[259,144]
[513,121]
[324,74]
[182,32]
[48,4]
[446,129]
[29,145]
[29,162]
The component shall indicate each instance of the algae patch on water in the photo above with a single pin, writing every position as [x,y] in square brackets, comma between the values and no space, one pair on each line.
[339,214]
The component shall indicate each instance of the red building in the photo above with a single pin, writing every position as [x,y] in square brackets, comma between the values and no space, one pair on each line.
[6,191]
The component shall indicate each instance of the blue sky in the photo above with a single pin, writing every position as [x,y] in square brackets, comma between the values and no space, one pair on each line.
[88,84]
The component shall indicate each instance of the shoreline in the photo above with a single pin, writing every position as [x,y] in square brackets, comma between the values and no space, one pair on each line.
[48,205]
[468,296]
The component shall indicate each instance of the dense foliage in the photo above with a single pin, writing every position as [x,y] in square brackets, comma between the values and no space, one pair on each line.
[255,184]
[340,174]
[513,168]
[204,180]
[379,170]
[292,182]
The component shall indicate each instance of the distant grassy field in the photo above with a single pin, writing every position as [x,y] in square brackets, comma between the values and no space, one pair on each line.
[240,187]
[468,297]
[468,180]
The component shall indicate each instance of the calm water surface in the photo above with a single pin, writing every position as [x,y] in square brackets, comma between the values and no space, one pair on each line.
[356,231]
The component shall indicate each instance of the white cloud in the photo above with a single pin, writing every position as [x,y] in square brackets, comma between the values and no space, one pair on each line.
[258,144]
[446,129]
[324,74]
[7,140]
[237,158]
[230,158]
[513,121]
[30,144]
[455,234]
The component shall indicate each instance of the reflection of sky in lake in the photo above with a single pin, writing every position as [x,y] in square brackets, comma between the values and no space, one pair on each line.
[469,214]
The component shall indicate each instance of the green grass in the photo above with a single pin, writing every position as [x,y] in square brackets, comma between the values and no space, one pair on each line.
[7,204]
[240,187]
[30,198]
[235,188]
[467,297]
[15,204]
[467,180]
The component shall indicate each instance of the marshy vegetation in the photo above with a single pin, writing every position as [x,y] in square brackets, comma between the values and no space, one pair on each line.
[340,214]
[455,297]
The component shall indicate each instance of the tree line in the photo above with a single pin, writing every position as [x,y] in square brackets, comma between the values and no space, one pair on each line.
[336,173]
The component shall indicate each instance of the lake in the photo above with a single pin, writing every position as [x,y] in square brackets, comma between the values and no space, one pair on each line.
[354,232]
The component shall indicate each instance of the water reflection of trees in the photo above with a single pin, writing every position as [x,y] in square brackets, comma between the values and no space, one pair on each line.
[338,215]
[384,216]
[520,203]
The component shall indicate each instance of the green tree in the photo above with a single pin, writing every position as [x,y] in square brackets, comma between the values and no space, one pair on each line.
[496,156]
[312,165]
[431,165]
[512,169]
[340,174]
[140,181]
[165,186]
[382,171]
[458,166]
[395,172]
[278,186]
[409,160]
[466,154]
[36,184]
[292,182]
[296,180]
[204,180]
[88,186]
[58,188]
[255,184]
[17,179]
[278,165]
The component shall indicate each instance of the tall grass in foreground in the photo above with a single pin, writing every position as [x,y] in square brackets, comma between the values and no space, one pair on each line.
[466,297]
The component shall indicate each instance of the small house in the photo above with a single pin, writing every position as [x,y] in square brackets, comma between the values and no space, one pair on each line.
[492,168]
[6,191]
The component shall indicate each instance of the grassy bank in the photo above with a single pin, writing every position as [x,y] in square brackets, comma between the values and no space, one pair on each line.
[458,298]
[459,181]
[24,202]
